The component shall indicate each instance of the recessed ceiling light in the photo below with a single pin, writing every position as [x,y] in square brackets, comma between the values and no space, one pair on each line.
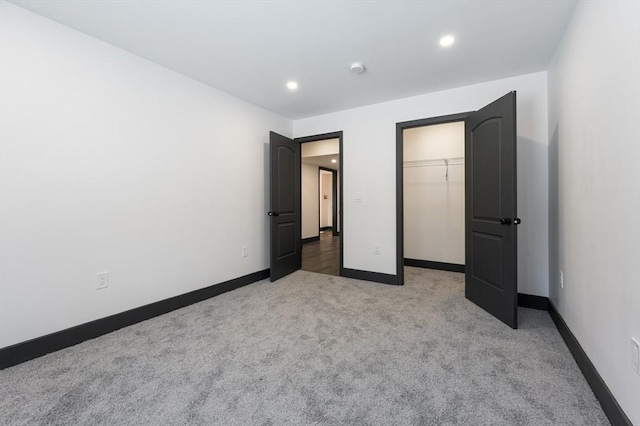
[333,160]
[292,85]
[447,41]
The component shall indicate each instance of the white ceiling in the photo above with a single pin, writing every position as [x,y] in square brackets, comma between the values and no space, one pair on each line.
[250,49]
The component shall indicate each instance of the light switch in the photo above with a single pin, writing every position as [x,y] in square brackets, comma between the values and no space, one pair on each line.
[635,355]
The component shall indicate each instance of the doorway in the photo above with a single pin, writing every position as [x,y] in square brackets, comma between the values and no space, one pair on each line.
[427,158]
[328,190]
[321,201]
[433,196]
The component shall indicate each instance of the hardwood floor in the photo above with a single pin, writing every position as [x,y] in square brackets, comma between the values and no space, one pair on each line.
[322,256]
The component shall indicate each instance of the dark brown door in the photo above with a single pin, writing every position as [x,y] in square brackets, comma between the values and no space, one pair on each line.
[286,244]
[491,213]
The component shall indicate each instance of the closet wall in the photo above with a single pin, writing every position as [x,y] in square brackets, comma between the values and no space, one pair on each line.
[434,193]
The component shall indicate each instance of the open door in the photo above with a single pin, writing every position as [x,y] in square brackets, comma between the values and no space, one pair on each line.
[286,245]
[491,279]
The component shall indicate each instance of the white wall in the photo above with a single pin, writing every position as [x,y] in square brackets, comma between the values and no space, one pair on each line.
[594,188]
[434,193]
[112,163]
[322,147]
[434,142]
[326,204]
[369,153]
[310,200]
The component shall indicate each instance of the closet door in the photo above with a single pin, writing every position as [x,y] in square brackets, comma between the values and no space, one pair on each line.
[491,209]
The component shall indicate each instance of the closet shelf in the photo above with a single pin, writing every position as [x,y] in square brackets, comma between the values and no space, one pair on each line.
[453,161]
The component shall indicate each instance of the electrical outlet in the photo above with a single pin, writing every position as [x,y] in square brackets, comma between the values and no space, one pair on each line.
[635,355]
[358,197]
[245,251]
[561,279]
[103,280]
[376,249]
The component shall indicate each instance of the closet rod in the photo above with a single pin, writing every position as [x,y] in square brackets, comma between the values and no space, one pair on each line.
[454,161]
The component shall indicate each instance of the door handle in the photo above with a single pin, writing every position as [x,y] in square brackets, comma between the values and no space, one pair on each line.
[273,214]
[507,221]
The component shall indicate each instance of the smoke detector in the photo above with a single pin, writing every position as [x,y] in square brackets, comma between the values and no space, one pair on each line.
[357,68]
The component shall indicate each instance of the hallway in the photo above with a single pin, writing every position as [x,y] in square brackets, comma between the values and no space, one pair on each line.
[322,256]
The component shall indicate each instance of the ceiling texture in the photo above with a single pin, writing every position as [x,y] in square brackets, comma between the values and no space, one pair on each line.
[250,49]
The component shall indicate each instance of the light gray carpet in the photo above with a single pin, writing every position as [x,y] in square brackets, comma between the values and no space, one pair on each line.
[313,349]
